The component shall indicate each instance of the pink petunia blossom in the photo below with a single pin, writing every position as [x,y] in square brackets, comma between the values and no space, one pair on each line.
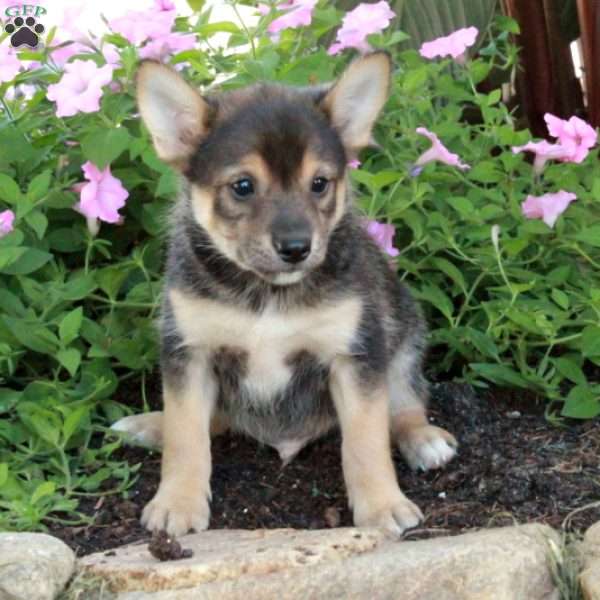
[10,65]
[7,219]
[298,14]
[438,152]
[454,45]
[80,88]
[575,134]
[111,55]
[163,47]
[383,235]
[544,151]
[263,9]
[547,207]
[137,26]
[364,20]
[163,5]
[60,56]
[354,163]
[102,196]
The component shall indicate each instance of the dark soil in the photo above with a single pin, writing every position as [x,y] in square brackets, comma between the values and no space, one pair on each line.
[513,466]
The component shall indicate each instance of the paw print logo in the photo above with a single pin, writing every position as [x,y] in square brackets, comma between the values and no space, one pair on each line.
[24,32]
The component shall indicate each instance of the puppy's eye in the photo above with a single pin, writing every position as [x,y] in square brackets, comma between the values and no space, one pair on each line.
[319,185]
[243,188]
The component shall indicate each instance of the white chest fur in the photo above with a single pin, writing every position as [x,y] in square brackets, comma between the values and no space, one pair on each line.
[267,338]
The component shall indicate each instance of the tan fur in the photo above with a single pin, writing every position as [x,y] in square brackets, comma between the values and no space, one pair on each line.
[269,337]
[369,473]
[181,501]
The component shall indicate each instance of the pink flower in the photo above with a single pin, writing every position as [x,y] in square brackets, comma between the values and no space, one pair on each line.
[163,5]
[61,55]
[547,207]
[359,23]
[383,235]
[453,45]
[299,14]
[102,197]
[438,152]
[544,151]
[80,88]
[138,26]
[111,55]
[7,219]
[263,9]
[171,43]
[575,134]
[10,65]
[354,164]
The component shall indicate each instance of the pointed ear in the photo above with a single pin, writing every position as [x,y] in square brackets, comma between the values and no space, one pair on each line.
[355,100]
[175,113]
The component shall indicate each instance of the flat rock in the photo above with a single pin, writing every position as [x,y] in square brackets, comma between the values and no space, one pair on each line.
[590,576]
[226,555]
[505,564]
[33,566]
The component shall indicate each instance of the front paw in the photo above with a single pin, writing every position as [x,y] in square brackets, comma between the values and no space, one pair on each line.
[427,447]
[177,512]
[393,515]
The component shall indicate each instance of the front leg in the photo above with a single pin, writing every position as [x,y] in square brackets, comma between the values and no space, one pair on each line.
[362,406]
[181,502]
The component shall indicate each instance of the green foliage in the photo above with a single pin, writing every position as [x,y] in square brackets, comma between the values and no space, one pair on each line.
[77,310]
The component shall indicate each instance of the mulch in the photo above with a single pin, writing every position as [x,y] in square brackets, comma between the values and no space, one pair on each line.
[513,467]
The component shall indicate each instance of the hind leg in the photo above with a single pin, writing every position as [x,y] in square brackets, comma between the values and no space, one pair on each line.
[146,429]
[423,446]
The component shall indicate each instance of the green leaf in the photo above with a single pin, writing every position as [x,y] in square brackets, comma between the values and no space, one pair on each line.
[500,374]
[590,235]
[8,399]
[30,260]
[73,421]
[70,325]
[451,271]
[103,146]
[38,222]
[44,489]
[39,185]
[435,296]
[33,335]
[486,172]
[70,359]
[3,473]
[590,341]
[9,190]
[560,298]
[581,403]
[9,256]
[568,368]
[484,343]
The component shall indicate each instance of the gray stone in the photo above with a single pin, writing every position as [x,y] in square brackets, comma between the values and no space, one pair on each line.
[33,566]
[506,564]
[590,576]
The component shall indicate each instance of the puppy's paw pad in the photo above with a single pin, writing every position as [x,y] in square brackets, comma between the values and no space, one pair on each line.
[175,515]
[142,430]
[427,447]
[394,518]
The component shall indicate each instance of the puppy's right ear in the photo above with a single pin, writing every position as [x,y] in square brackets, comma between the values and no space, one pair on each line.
[174,112]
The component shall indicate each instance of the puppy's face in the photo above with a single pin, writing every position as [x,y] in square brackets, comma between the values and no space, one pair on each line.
[266,164]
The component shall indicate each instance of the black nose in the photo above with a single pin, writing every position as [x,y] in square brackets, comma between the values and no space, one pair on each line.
[292,249]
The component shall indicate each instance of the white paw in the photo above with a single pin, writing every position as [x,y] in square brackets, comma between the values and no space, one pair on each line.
[143,430]
[394,516]
[427,447]
[176,513]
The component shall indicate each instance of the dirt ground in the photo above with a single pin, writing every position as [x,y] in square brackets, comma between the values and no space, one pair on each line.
[512,467]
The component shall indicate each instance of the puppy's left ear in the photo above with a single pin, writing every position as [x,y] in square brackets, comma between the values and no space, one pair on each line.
[356,99]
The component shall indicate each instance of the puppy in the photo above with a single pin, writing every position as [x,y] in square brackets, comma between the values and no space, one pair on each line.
[281,318]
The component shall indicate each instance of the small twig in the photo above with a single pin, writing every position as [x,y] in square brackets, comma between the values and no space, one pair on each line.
[565,523]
